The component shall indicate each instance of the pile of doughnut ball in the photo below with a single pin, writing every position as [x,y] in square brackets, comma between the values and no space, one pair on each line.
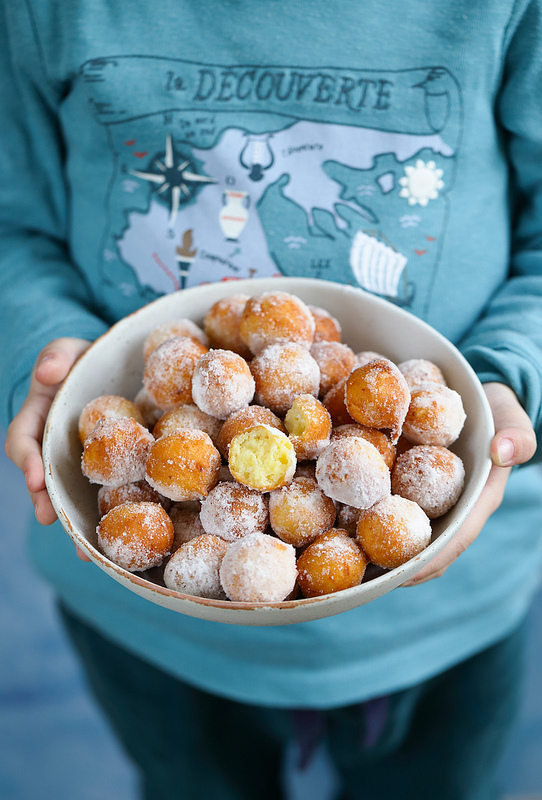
[264,460]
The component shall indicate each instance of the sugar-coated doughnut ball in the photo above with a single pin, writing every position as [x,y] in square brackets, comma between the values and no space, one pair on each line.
[275,318]
[262,458]
[347,518]
[169,369]
[222,321]
[186,522]
[352,471]
[377,438]
[281,373]
[433,477]
[107,406]
[435,415]
[364,356]
[138,492]
[328,328]
[393,531]
[335,402]
[116,452]
[222,383]
[194,568]
[187,416]
[377,395]
[300,511]
[332,562]
[240,421]
[258,569]
[308,423]
[136,536]
[232,511]
[147,408]
[335,360]
[184,465]
[172,329]
[420,370]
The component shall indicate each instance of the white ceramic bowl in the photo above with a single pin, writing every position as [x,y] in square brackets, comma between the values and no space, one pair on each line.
[114,365]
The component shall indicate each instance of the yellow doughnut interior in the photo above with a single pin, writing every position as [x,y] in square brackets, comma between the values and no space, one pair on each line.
[296,421]
[262,458]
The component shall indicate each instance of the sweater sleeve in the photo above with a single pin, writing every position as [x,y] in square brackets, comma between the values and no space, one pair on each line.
[42,293]
[505,345]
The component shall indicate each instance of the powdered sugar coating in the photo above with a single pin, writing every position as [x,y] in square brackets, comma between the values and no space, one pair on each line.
[186,522]
[194,568]
[242,420]
[275,318]
[183,465]
[308,423]
[116,452]
[335,360]
[187,416]
[172,329]
[111,496]
[222,321]
[352,471]
[433,477]
[282,372]
[232,511]
[107,406]
[435,416]
[222,383]
[377,395]
[332,563]
[147,408]
[420,370]
[328,328]
[258,569]
[169,369]
[262,458]
[300,511]
[393,531]
[136,536]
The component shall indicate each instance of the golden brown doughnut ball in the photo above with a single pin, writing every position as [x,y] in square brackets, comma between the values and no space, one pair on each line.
[262,458]
[136,536]
[240,421]
[373,435]
[222,383]
[221,324]
[116,452]
[258,569]
[281,373]
[336,360]
[231,511]
[172,329]
[194,568]
[393,531]
[169,369]
[433,477]
[332,562]
[335,402]
[352,471]
[187,416]
[300,511]
[186,522]
[328,328]
[308,423]
[420,370]
[377,395]
[276,318]
[184,465]
[107,406]
[435,415]
[138,492]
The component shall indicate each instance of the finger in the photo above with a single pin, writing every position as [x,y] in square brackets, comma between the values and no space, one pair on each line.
[57,358]
[43,508]
[81,554]
[488,502]
[514,441]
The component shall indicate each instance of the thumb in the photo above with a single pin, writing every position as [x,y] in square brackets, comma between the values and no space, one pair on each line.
[57,358]
[514,441]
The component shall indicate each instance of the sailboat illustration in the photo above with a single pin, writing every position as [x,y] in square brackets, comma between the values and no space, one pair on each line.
[380,269]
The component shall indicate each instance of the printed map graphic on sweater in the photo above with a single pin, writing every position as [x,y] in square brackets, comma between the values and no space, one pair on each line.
[242,171]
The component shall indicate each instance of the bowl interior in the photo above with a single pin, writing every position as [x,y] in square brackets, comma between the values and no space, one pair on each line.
[114,365]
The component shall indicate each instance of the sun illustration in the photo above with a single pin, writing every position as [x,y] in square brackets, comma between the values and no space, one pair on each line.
[421,183]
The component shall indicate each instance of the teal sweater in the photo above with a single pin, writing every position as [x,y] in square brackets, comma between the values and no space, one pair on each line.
[144,149]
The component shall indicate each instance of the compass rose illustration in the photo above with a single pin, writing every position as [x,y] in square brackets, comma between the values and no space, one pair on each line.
[175,178]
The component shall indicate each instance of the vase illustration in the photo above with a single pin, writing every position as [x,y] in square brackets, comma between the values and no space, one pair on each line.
[234,214]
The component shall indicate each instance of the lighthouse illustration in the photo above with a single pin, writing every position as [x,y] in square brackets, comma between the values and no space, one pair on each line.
[380,269]
[185,256]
